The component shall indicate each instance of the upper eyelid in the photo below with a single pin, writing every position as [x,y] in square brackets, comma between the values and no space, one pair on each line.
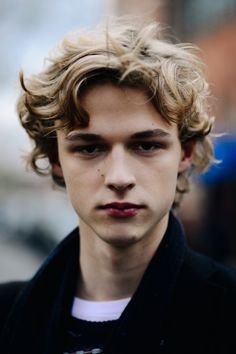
[130,142]
[155,143]
[85,144]
[106,145]
[80,148]
[103,147]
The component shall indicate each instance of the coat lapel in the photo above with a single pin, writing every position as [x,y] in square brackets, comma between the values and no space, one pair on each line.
[143,319]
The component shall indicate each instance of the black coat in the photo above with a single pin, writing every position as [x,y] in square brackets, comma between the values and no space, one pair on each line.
[185,304]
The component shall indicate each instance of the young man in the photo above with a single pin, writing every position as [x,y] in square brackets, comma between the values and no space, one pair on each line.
[121,116]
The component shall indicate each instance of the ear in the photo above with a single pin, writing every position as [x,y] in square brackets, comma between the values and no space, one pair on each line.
[55,164]
[56,169]
[187,154]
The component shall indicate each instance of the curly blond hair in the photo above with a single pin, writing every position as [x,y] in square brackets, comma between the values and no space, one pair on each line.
[125,52]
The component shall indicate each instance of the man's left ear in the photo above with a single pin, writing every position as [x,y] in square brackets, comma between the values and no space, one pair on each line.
[187,154]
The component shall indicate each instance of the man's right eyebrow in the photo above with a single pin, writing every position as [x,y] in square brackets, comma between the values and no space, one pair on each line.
[86,137]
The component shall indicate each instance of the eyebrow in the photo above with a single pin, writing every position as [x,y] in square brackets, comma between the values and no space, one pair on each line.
[88,137]
[150,134]
[74,136]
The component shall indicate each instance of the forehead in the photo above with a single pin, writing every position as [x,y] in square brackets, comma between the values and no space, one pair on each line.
[112,93]
[121,106]
[118,113]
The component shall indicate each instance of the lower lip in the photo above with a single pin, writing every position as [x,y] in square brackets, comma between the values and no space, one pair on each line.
[122,213]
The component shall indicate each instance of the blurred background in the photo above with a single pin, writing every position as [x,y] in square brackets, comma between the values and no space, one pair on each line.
[34,217]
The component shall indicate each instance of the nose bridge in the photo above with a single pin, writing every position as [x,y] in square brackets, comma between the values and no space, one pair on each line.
[118,169]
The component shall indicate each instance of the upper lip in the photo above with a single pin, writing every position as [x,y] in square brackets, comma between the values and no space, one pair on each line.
[117,205]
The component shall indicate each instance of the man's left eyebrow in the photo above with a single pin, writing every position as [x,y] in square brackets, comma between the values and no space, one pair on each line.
[151,134]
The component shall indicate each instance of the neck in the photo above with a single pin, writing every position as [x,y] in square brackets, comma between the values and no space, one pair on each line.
[108,272]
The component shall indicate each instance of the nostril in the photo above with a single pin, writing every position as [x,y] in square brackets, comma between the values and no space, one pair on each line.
[121,187]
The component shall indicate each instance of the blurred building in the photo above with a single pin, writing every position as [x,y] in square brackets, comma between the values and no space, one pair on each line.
[209,211]
[212,26]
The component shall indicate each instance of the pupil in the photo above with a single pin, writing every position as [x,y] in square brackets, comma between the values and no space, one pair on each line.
[146,146]
[91,149]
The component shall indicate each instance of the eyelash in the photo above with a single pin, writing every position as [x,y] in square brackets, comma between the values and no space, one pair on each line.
[137,147]
[82,149]
[152,146]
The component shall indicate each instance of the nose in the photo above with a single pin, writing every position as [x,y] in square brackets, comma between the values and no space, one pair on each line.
[118,174]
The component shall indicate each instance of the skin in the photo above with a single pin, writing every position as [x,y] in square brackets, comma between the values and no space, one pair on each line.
[120,167]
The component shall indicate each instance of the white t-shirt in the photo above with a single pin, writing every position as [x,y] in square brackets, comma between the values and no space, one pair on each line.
[98,310]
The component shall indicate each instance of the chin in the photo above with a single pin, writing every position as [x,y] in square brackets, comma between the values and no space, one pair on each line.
[121,241]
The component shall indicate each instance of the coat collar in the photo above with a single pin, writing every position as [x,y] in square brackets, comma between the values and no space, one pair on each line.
[39,317]
[151,302]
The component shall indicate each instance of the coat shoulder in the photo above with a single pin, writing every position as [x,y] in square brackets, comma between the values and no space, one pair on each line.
[8,293]
[210,285]
[204,307]
[213,272]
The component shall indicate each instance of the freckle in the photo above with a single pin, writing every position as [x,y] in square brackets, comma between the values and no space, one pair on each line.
[98,170]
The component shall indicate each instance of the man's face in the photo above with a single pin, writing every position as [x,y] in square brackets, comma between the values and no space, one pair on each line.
[121,170]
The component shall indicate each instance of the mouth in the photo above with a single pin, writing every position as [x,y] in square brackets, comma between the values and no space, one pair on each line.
[121,210]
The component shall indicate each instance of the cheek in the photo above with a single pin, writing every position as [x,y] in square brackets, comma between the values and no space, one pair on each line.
[164,170]
[161,180]
[73,172]
[165,181]
[78,193]
[80,182]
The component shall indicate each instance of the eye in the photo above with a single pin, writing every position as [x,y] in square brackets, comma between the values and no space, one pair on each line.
[146,147]
[89,150]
